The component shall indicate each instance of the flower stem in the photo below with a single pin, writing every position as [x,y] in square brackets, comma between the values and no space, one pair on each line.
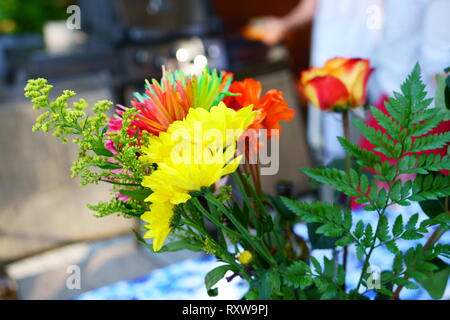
[367,259]
[245,191]
[225,255]
[346,131]
[261,249]
[214,220]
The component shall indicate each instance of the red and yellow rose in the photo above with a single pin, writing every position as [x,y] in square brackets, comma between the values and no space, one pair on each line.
[339,85]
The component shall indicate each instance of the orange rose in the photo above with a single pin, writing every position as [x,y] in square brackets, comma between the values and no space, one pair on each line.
[340,84]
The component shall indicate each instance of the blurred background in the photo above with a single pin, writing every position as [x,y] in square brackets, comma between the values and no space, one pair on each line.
[104,49]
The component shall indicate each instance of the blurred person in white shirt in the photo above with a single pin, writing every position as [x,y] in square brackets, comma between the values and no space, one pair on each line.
[345,28]
[393,34]
[413,31]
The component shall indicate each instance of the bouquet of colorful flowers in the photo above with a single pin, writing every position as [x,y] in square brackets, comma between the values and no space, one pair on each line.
[173,157]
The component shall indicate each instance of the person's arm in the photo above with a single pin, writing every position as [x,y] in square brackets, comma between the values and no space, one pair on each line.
[272,29]
[300,16]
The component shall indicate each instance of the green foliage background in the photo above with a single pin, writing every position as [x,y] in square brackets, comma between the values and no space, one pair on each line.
[29,16]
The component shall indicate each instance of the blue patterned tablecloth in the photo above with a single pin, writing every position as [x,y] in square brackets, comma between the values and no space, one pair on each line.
[179,281]
[185,280]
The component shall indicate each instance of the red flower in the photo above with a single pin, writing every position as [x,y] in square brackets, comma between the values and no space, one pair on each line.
[340,84]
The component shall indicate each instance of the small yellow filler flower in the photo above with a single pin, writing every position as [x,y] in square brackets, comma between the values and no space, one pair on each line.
[245,257]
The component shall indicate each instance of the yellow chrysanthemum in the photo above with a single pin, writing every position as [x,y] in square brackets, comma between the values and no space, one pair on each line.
[192,154]
[220,126]
[159,218]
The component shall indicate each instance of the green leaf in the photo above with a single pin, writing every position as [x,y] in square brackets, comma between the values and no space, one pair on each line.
[348,219]
[417,275]
[329,268]
[181,245]
[432,208]
[411,224]
[407,163]
[430,142]
[170,247]
[384,293]
[334,177]
[392,247]
[424,127]
[395,192]
[411,235]
[344,241]
[269,284]
[359,229]
[413,90]
[99,148]
[388,123]
[360,252]
[383,229]
[431,162]
[364,184]
[397,229]
[368,235]
[436,282]
[214,276]
[424,115]
[321,283]
[301,209]
[298,275]
[267,223]
[137,194]
[319,241]
[328,230]
[364,157]
[443,220]
[330,293]
[110,166]
[398,263]
[430,186]
[329,215]
[382,199]
[354,179]
[281,208]
[379,139]
[316,264]
[397,111]
[406,283]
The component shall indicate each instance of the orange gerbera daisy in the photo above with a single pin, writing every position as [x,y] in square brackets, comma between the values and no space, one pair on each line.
[272,107]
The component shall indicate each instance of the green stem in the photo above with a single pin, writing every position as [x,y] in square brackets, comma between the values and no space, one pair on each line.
[219,230]
[121,184]
[368,255]
[261,249]
[223,250]
[240,181]
[255,195]
[346,131]
[214,220]
[238,178]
